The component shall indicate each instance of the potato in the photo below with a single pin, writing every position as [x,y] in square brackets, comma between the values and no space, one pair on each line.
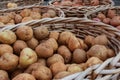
[8,61]
[38,10]
[54,34]
[4,19]
[83,66]
[55,58]
[64,37]
[11,22]
[4,75]
[44,50]
[74,68]
[24,76]
[79,56]
[25,13]
[65,53]
[42,61]
[89,40]
[7,37]
[73,43]
[101,16]
[5,48]
[45,15]
[35,15]
[18,18]
[42,73]
[99,51]
[24,33]
[93,61]
[82,44]
[26,19]
[27,57]
[110,53]
[53,43]
[61,75]
[32,43]
[41,32]
[11,5]
[57,67]
[11,15]
[18,46]
[52,13]
[66,3]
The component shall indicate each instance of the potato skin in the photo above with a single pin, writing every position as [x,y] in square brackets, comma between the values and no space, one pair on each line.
[8,61]
[42,73]
[25,13]
[54,34]
[24,33]
[18,18]
[61,75]
[5,48]
[4,75]
[24,76]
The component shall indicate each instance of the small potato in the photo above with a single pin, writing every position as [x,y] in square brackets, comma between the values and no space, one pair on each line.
[82,44]
[32,43]
[89,40]
[83,66]
[24,33]
[79,56]
[55,58]
[12,22]
[25,13]
[44,50]
[4,19]
[7,37]
[27,57]
[38,10]
[54,34]
[4,75]
[61,75]
[26,19]
[41,32]
[73,43]
[74,68]
[11,15]
[64,37]
[58,67]
[4,48]
[42,61]
[65,53]
[52,13]
[18,46]
[42,73]
[46,15]
[11,5]
[8,61]
[110,53]
[35,15]
[24,76]
[18,18]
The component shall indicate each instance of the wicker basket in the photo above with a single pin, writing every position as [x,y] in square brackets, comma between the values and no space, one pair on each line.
[20,3]
[44,9]
[81,28]
[104,10]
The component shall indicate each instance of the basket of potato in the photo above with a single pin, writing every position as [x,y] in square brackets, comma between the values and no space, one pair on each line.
[4,4]
[77,8]
[59,48]
[110,16]
[28,13]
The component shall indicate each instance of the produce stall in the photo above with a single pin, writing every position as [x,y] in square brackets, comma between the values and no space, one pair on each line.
[59,40]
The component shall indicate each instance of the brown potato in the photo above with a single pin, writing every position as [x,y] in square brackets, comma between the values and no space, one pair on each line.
[4,75]
[89,40]
[111,13]
[52,13]
[4,19]
[18,46]
[42,73]
[101,16]
[4,48]
[82,44]
[79,56]
[42,61]
[54,34]
[18,18]
[41,32]
[32,43]
[12,22]
[58,67]
[38,10]
[93,61]
[27,57]
[26,19]
[11,15]
[110,53]
[24,76]
[8,61]
[46,15]
[99,51]
[66,3]
[44,50]
[64,37]
[24,33]
[7,37]
[83,66]
[55,58]
[11,5]
[35,15]
[65,53]
[61,75]
[25,13]
[73,43]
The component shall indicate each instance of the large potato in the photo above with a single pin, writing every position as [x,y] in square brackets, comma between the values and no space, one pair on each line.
[7,37]
[4,75]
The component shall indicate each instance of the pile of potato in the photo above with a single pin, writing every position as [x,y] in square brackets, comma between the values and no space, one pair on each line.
[25,15]
[110,17]
[76,3]
[40,54]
